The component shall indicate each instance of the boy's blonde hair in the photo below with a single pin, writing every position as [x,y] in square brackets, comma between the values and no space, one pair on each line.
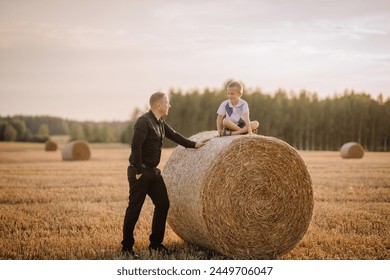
[237,86]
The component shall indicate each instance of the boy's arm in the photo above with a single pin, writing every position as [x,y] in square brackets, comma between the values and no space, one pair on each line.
[245,116]
[219,124]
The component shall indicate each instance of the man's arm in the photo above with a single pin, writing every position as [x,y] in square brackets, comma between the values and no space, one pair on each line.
[178,138]
[140,133]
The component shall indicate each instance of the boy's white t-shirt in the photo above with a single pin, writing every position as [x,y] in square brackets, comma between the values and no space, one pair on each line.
[233,113]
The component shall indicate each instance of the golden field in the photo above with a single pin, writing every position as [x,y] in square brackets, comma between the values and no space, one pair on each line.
[52,209]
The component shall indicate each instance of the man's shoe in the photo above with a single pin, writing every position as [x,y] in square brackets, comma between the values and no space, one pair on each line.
[130,253]
[158,248]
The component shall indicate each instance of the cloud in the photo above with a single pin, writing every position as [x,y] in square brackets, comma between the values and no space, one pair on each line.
[48,35]
[89,48]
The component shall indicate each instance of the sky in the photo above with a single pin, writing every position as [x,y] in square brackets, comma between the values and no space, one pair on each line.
[99,60]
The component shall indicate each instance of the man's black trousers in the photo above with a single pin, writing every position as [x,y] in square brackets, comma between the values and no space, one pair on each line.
[152,184]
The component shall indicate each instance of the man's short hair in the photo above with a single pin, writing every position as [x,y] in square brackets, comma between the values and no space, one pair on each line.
[156,97]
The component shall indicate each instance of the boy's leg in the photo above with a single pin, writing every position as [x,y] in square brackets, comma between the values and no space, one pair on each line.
[244,129]
[230,125]
[237,129]
[255,125]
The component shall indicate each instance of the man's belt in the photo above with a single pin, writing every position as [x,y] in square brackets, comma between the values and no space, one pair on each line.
[143,165]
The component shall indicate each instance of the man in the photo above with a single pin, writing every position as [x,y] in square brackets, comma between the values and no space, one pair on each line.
[144,176]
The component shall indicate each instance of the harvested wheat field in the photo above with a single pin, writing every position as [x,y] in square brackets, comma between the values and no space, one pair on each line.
[54,209]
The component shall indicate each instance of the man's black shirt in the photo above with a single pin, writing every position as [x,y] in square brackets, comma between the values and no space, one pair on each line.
[147,141]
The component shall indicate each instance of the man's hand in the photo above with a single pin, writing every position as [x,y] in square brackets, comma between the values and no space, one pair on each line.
[199,144]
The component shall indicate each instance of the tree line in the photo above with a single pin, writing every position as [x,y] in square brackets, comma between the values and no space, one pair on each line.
[40,128]
[302,119]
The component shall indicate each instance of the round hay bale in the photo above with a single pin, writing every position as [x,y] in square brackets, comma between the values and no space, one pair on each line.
[76,150]
[352,150]
[51,146]
[242,196]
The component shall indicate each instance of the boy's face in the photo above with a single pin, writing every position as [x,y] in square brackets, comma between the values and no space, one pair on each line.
[233,94]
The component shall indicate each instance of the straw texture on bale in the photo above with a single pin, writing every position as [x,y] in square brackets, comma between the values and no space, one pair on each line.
[352,150]
[242,196]
[76,150]
[51,146]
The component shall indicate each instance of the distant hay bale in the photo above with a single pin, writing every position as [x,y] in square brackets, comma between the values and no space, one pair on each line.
[76,150]
[51,146]
[242,196]
[352,150]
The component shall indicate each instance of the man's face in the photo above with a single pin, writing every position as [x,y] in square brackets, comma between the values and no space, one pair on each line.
[164,106]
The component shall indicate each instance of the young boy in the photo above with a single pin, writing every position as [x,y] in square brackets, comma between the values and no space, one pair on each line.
[236,112]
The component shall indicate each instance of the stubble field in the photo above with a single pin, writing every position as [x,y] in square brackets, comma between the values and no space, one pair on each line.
[51,209]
